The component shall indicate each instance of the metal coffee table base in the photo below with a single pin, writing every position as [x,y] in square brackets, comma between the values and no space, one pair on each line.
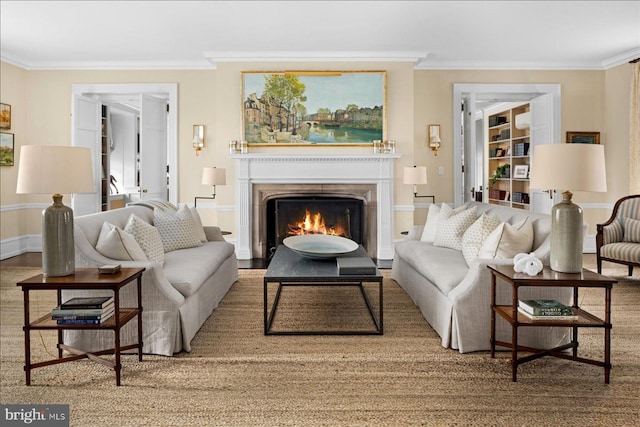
[377,319]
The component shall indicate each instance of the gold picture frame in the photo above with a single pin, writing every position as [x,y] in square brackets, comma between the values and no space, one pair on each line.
[313,107]
[583,137]
[5,116]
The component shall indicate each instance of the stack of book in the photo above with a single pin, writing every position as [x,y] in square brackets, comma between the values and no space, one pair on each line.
[543,309]
[84,311]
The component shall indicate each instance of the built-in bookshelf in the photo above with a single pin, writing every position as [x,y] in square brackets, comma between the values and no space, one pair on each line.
[508,143]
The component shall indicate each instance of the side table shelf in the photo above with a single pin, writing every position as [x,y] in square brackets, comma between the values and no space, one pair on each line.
[84,279]
[550,278]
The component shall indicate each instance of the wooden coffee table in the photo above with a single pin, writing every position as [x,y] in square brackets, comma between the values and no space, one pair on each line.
[287,268]
[548,277]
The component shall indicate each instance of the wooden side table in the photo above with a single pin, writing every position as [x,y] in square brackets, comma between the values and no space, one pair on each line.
[84,278]
[548,277]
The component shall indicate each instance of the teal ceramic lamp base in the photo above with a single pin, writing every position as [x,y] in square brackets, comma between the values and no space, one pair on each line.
[566,236]
[58,251]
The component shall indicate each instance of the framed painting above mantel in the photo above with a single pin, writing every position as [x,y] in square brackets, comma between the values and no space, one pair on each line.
[313,107]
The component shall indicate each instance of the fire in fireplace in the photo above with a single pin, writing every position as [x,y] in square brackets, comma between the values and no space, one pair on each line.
[292,216]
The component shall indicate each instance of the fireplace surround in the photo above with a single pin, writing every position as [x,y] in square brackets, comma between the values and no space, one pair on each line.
[263,176]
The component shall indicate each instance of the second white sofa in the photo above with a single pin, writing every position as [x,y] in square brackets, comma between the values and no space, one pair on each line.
[454,297]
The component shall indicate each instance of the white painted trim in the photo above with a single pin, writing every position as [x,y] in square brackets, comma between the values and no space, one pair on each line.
[312,56]
[596,206]
[419,58]
[19,245]
[172,119]
[23,206]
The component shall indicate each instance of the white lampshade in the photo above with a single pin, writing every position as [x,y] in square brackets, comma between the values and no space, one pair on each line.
[48,169]
[571,167]
[415,175]
[214,176]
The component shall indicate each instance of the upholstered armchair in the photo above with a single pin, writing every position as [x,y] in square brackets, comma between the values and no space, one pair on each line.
[618,239]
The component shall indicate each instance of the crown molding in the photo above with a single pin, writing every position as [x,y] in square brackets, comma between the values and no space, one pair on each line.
[623,58]
[214,57]
[109,65]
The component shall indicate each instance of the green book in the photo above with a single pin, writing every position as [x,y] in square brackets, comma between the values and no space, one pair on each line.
[544,307]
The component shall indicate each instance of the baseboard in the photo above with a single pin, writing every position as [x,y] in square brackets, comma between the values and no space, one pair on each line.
[14,246]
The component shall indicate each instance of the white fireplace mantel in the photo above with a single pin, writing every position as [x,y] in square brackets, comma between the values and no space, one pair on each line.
[260,168]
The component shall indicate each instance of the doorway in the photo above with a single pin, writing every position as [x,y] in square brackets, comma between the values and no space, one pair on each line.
[469,102]
[129,96]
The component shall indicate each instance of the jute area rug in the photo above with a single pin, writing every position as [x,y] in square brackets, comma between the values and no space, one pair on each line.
[236,376]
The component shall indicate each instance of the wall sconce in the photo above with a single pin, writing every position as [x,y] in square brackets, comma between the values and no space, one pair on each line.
[212,176]
[416,175]
[434,138]
[198,138]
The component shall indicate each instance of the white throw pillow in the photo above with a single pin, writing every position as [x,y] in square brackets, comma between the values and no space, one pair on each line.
[177,229]
[431,225]
[476,234]
[507,240]
[147,237]
[117,244]
[198,223]
[451,226]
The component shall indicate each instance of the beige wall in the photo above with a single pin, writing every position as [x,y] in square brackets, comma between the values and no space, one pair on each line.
[41,104]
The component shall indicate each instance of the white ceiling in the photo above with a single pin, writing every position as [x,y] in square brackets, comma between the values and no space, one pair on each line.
[434,34]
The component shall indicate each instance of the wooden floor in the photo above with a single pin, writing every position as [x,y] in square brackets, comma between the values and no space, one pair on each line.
[34,259]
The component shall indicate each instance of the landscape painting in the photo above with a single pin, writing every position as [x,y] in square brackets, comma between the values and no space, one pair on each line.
[6,149]
[309,107]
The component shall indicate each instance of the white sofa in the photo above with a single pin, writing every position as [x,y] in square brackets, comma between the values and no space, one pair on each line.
[177,295]
[455,297]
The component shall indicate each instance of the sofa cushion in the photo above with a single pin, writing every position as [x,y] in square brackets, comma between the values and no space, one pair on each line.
[452,225]
[631,230]
[187,269]
[147,237]
[626,251]
[115,243]
[177,229]
[476,234]
[507,240]
[443,267]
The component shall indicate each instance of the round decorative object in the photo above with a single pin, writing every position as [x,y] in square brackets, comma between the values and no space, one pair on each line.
[320,245]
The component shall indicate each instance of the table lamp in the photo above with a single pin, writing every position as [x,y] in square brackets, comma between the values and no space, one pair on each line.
[212,176]
[56,169]
[416,175]
[568,167]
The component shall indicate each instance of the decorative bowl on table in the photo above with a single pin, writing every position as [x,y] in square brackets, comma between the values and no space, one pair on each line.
[320,246]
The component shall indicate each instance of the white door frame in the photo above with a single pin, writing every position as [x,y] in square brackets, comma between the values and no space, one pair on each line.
[153,89]
[459,89]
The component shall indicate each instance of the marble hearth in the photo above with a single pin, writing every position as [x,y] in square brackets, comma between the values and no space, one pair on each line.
[262,176]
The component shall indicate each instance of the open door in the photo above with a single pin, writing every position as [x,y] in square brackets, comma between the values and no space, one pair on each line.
[469,155]
[153,148]
[541,132]
[86,132]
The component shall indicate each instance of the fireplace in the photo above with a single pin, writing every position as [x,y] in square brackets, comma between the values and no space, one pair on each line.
[295,216]
[261,177]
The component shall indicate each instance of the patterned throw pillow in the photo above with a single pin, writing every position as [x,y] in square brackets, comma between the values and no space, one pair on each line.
[177,229]
[147,237]
[431,226]
[117,244]
[451,226]
[507,240]
[476,234]
[631,230]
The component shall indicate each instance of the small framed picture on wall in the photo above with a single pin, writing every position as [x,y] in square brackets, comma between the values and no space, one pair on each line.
[583,137]
[6,149]
[5,116]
